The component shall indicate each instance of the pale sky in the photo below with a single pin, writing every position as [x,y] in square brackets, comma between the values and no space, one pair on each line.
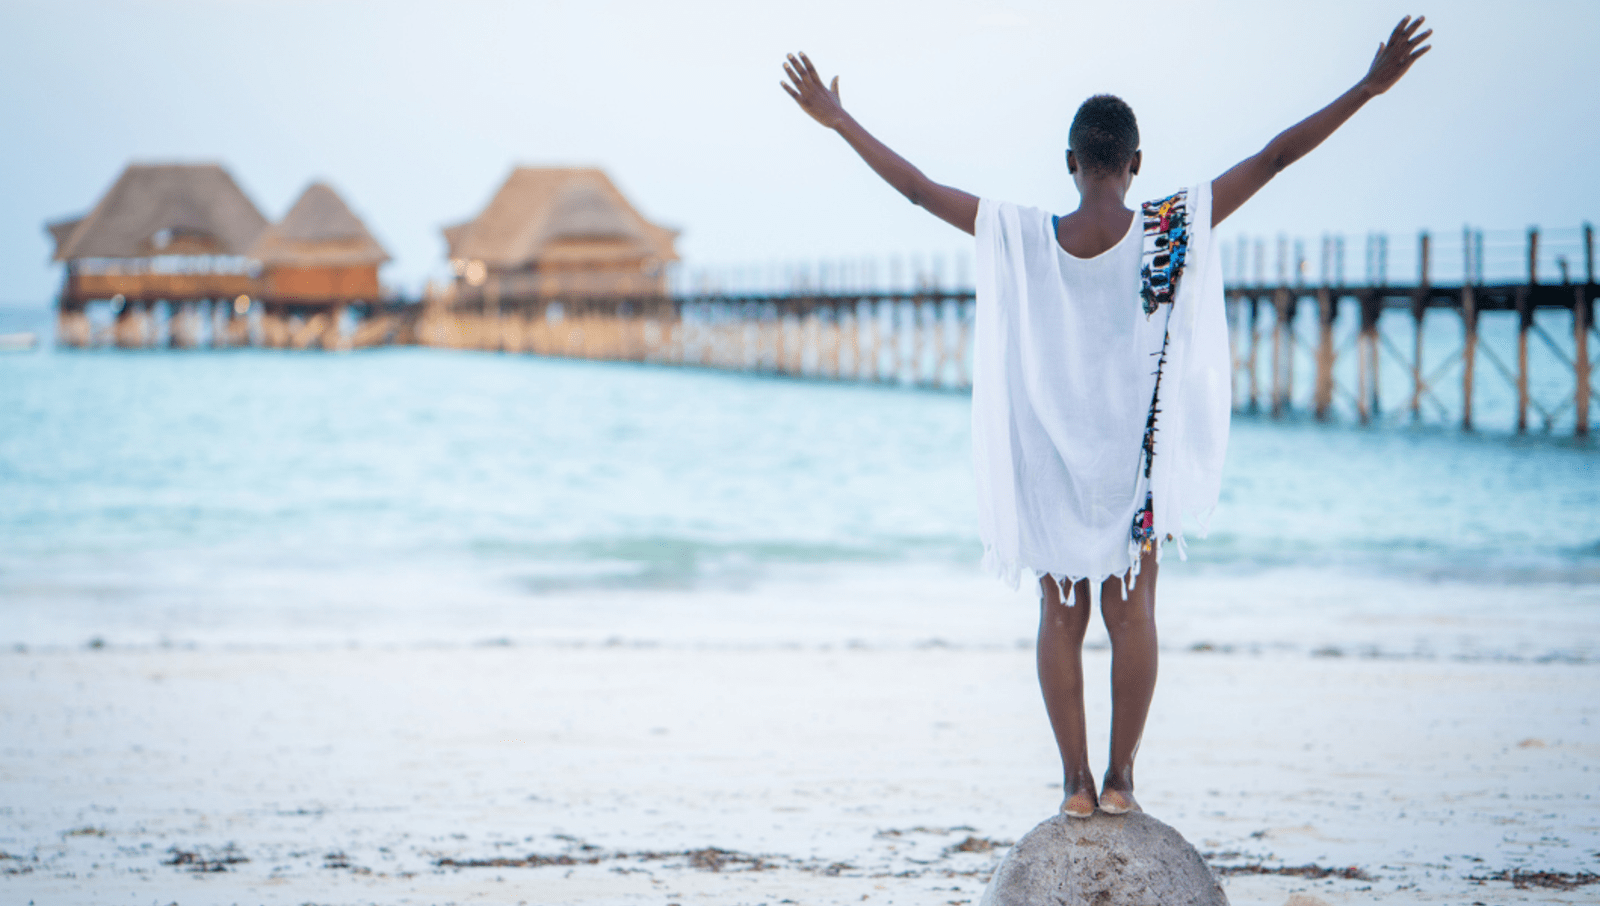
[416,111]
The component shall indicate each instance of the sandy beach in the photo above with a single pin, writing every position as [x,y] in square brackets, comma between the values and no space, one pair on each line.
[649,636]
[886,761]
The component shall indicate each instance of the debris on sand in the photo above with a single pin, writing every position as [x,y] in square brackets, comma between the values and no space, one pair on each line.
[1549,880]
[205,858]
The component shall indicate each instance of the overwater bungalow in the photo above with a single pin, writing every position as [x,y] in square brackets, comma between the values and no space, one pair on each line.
[553,232]
[173,233]
[315,262]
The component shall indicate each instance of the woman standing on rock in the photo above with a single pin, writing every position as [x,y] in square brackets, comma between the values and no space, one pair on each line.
[1101,385]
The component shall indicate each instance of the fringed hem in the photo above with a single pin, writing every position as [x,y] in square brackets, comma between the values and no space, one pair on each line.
[1007,571]
[1010,572]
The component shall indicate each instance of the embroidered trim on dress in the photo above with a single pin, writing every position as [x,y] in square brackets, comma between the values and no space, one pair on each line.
[1166,242]
[1166,245]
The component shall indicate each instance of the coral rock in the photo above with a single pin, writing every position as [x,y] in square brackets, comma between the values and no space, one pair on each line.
[1103,860]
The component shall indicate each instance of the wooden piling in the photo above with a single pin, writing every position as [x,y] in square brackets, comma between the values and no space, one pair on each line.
[1276,404]
[1231,307]
[1469,352]
[1255,338]
[1367,365]
[1580,359]
[1469,324]
[1524,324]
[1291,304]
[1419,312]
[72,326]
[1582,316]
[1327,309]
[1588,252]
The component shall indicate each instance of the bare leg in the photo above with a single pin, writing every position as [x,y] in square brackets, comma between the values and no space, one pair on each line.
[1132,625]
[1060,656]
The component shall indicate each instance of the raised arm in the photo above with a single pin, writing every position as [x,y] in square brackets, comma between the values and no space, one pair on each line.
[953,206]
[1233,188]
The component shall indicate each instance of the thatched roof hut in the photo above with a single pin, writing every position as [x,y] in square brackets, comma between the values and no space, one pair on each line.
[163,209]
[319,230]
[553,230]
[153,214]
[320,253]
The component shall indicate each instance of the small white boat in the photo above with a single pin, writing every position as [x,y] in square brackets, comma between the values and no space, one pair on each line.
[24,341]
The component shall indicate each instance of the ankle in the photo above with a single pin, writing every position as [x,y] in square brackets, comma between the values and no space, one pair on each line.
[1079,780]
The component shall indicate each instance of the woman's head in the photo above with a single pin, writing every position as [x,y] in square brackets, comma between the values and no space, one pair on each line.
[1105,137]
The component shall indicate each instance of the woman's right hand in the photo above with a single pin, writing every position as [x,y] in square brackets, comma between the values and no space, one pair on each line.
[1396,55]
[821,101]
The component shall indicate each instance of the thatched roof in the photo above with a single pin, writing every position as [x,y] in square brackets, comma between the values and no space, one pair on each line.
[319,230]
[165,209]
[60,230]
[537,207]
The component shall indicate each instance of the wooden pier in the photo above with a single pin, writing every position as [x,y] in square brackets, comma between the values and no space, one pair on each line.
[1358,351]
[919,338]
[1265,314]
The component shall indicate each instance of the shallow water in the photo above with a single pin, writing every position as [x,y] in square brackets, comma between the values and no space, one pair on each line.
[254,488]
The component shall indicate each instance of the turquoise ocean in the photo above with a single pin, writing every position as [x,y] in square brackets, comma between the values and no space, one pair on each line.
[243,497]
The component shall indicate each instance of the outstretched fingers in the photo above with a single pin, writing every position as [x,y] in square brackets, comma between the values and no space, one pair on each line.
[804,75]
[806,87]
[1408,33]
[810,69]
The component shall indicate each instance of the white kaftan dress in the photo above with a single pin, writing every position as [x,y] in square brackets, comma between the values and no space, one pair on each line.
[1101,390]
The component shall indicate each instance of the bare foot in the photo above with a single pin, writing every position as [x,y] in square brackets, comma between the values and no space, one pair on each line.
[1079,804]
[1118,802]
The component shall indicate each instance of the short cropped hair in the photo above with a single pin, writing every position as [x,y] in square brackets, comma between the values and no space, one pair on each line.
[1104,134]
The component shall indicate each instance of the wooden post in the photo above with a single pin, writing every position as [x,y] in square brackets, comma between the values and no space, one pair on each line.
[1588,252]
[1290,308]
[1371,308]
[1255,337]
[1326,310]
[1580,358]
[1582,317]
[1469,324]
[336,330]
[1469,352]
[1230,309]
[1419,312]
[1277,349]
[918,353]
[1524,324]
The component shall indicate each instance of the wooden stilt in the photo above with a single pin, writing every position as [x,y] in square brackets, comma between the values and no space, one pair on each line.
[1524,324]
[72,326]
[1367,342]
[1291,310]
[1469,324]
[1279,336]
[1580,359]
[893,338]
[1230,307]
[1469,352]
[1322,400]
[1419,313]
[1255,340]
[1582,317]
[1362,397]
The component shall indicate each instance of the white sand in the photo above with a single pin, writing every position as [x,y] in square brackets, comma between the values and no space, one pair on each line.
[344,774]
